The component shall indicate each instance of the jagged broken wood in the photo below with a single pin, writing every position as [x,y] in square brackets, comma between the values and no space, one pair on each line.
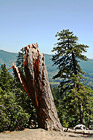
[36,85]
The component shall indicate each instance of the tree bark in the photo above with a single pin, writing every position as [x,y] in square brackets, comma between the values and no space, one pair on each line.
[36,84]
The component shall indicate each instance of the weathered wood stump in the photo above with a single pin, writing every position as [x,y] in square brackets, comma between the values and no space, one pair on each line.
[36,84]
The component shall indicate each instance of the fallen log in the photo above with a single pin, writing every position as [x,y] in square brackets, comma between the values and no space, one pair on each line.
[79,131]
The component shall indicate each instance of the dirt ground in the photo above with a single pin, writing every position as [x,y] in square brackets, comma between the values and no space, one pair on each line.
[41,134]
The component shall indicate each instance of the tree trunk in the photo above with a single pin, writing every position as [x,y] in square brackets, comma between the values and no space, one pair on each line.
[36,84]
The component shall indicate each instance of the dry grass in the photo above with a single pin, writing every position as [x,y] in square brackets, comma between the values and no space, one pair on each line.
[40,134]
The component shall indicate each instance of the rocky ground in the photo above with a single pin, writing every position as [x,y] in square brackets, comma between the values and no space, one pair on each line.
[40,134]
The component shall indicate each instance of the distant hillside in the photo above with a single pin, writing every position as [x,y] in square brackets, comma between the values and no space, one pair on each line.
[7,58]
[52,70]
[87,66]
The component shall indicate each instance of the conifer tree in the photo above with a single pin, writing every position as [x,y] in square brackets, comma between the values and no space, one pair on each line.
[6,80]
[20,59]
[68,53]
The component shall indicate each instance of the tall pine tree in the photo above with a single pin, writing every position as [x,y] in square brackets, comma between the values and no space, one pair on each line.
[68,53]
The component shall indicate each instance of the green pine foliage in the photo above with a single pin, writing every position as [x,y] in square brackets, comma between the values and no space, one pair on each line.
[12,115]
[6,80]
[68,53]
[20,60]
[74,105]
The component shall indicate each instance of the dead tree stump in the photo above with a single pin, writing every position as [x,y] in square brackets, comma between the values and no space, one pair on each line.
[36,84]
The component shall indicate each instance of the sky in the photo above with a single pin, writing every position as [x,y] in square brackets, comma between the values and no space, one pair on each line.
[23,22]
